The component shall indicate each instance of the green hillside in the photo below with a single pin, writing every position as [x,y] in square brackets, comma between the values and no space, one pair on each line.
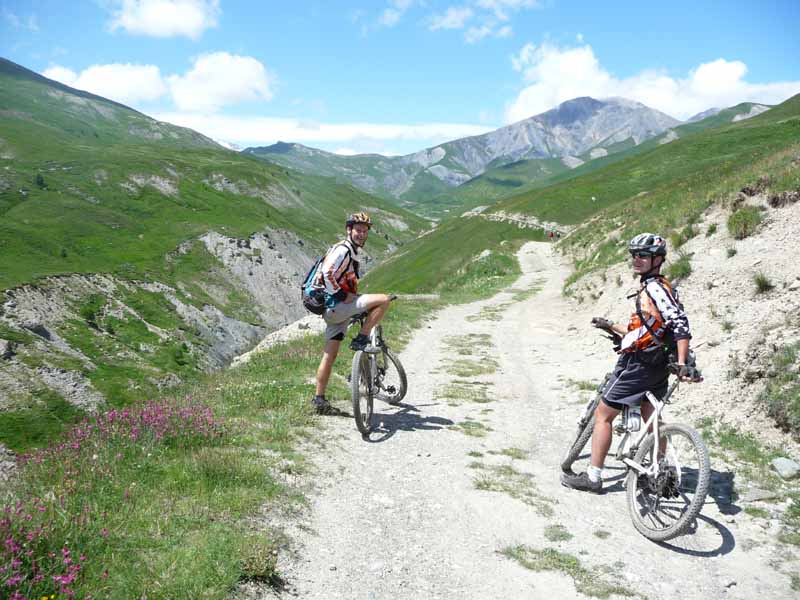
[88,185]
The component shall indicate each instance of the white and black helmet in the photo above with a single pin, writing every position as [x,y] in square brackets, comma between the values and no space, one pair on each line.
[653,244]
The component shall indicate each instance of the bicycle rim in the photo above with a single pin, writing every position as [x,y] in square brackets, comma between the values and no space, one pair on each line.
[665,507]
[362,392]
[392,383]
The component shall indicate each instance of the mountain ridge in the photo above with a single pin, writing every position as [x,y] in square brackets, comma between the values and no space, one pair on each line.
[572,128]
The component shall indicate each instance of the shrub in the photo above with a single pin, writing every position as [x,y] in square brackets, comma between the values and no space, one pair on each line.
[731,252]
[681,268]
[763,283]
[782,394]
[744,222]
[679,238]
[712,229]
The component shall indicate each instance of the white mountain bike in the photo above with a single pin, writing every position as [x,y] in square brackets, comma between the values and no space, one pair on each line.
[666,482]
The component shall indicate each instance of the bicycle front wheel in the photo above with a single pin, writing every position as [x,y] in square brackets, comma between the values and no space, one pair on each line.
[663,507]
[361,385]
[392,384]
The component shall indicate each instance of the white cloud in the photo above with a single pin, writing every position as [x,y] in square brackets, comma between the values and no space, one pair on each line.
[455,17]
[220,79]
[397,8]
[555,74]
[345,151]
[476,34]
[165,18]
[125,83]
[253,130]
[30,23]
[489,18]
[500,8]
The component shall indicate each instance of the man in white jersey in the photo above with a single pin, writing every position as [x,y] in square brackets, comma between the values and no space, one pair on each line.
[338,276]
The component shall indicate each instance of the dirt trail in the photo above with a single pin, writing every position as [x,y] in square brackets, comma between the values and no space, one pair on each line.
[401,516]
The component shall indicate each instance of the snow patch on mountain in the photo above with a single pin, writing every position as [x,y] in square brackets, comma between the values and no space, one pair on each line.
[453,178]
[670,136]
[754,111]
[572,161]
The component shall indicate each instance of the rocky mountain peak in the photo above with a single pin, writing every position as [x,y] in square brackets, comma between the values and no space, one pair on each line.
[568,112]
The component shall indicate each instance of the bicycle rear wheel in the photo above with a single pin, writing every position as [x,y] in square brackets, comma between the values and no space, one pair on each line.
[582,436]
[361,386]
[585,430]
[664,507]
[392,384]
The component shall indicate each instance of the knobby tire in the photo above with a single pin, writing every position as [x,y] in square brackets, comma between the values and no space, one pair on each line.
[582,436]
[390,360]
[361,388]
[651,525]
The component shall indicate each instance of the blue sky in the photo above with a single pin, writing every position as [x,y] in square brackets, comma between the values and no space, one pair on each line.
[396,76]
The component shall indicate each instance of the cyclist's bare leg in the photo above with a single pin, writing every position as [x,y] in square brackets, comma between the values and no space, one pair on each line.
[604,416]
[377,305]
[326,365]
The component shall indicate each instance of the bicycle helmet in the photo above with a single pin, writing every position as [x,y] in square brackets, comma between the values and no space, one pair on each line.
[359,217]
[653,244]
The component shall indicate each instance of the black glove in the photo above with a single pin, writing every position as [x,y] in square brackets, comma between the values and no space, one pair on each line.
[602,323]
[689,372]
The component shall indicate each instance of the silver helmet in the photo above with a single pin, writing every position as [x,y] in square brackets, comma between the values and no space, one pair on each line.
[653,244]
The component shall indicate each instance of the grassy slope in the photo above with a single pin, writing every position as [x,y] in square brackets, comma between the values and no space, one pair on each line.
[437,261]
[78,218]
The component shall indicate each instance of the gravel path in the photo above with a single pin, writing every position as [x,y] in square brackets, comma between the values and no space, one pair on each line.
[402,515]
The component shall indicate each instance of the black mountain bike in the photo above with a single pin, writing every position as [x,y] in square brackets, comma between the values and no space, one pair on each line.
[376,374]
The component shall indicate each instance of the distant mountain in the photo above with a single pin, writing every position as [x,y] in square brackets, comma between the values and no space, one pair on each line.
[703,115]
[514,178]
[742,111]
[573,132]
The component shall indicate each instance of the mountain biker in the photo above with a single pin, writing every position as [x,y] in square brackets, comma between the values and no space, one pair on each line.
[338,274]
[642,365]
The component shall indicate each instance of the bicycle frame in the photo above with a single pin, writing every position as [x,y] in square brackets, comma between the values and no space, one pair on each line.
[653,423]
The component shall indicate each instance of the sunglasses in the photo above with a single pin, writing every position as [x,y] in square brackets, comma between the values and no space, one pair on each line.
[641,255]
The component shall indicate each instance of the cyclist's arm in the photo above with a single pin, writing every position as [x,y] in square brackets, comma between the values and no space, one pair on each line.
[673,315]
[619,329]
[683,350]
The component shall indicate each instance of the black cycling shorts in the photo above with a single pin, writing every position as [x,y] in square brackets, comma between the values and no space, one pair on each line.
[631,379]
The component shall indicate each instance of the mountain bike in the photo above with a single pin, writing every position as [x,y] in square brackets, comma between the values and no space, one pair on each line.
[377,373]
[666,483]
